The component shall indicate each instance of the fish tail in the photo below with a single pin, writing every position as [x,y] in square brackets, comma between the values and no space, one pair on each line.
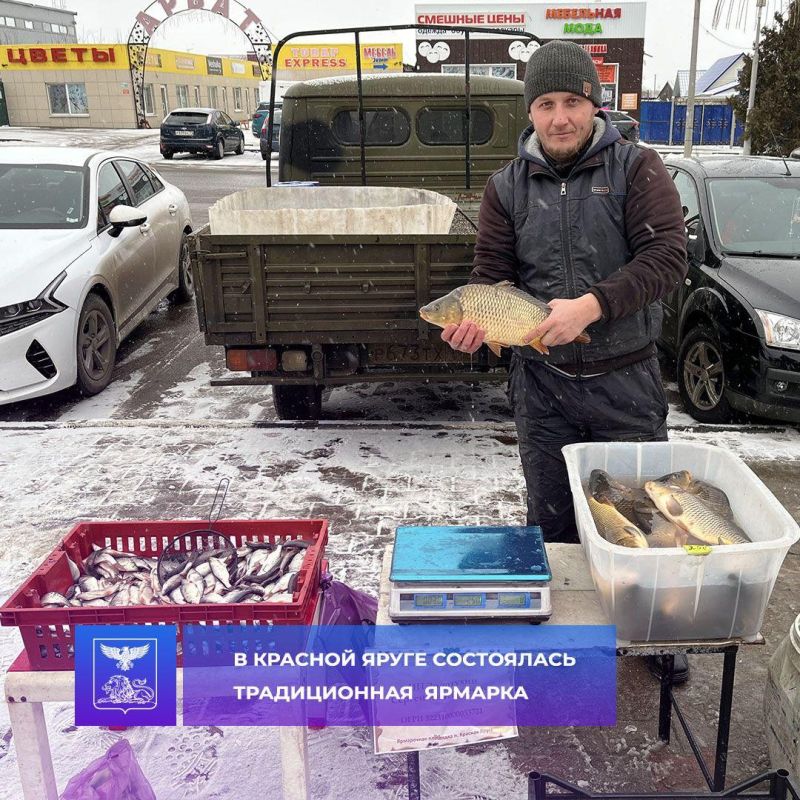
[582,338]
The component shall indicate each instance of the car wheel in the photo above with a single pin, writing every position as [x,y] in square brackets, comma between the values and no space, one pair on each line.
[701,376]
[96,346]
[240,147]
[220,150]
[185,291]
[168,154]
[297,402]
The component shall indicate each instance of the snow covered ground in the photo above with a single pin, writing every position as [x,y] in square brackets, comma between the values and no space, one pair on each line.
[139,143]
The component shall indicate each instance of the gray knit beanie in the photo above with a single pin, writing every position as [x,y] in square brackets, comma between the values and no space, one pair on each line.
[562,66]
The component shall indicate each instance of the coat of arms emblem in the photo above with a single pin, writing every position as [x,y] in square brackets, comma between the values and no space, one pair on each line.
[125,675]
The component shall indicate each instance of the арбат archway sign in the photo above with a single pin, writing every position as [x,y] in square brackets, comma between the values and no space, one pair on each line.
[158,12]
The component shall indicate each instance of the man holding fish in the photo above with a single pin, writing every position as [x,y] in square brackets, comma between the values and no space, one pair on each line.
[579,238]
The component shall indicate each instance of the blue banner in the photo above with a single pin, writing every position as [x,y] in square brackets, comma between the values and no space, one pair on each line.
[406,675]
[125,675]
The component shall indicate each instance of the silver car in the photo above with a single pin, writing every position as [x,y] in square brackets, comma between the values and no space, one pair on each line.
[91,241]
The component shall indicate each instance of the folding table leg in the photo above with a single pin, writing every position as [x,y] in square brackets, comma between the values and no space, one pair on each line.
[724,727]
[33,751]
[294,763]
[665,701]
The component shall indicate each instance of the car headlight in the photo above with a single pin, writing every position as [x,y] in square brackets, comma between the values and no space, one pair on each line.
[780,331]
[21,315]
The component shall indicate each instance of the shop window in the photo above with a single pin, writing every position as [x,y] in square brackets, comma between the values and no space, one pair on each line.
[10,22]
[443,126]
[164,100]
[197,96]
[490,70]
[225,98]
[212,96]
[237,99]
[183,96]
[382,126]
[67,98]
[29,24]
[149,105]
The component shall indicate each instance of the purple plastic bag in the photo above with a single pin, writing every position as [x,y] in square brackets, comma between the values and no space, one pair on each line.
[114,776]
[342,605]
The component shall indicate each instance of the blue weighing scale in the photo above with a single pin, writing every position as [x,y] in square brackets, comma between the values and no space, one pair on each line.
[458,573]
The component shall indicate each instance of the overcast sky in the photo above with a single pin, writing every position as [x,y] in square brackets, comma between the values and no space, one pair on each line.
[667,35]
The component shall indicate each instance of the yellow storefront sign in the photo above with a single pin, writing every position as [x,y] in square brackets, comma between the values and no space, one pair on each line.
[115,56]
[74,56]
[377,57]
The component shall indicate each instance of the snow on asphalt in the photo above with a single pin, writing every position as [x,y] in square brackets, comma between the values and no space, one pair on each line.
[140,144]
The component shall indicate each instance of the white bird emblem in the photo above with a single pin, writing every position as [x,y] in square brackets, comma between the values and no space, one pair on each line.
[124,656]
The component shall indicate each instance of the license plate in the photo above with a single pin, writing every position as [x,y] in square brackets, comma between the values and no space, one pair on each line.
[423,353]
[184,133]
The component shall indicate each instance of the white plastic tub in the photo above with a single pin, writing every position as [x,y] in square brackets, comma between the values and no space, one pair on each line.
[332,210]
[666,594]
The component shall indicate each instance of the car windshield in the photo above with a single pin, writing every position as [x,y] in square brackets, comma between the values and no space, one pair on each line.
[42,196]
[757,216]
[187,118]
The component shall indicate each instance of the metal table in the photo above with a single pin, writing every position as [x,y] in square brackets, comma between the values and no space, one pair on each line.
[575,602]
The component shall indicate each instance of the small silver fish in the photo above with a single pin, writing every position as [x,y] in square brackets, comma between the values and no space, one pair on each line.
[54,599]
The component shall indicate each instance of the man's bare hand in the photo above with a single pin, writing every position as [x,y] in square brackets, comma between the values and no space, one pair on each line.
[568,319]
[466,337]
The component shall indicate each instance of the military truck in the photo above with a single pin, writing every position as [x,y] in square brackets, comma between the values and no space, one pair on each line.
[306,312]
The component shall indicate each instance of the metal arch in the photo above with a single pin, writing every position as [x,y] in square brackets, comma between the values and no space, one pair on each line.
[139,42]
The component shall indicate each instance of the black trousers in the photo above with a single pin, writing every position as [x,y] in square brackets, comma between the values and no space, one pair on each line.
[551,411]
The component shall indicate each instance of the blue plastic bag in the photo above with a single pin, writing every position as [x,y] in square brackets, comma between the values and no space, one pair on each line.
[114,776]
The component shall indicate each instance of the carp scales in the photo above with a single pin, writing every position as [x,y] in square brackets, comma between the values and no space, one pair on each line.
[664,533]
[605,489]
[713,497]
[506,313]
[693,515]
[614,527]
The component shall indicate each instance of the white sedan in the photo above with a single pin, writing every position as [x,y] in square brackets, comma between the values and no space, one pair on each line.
[91,241]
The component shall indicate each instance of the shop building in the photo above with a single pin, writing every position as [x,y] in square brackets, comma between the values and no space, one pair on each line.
[612,33]
[21,23]
[89,86]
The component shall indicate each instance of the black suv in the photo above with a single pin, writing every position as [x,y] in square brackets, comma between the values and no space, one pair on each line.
[200,130]
[734,323]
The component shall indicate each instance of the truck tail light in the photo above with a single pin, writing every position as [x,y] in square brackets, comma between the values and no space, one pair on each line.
[294,361]
[251,360]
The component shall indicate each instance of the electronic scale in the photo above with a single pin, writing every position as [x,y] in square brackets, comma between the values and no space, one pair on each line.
[442,574]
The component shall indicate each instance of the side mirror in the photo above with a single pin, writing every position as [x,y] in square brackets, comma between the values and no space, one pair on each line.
[125,217]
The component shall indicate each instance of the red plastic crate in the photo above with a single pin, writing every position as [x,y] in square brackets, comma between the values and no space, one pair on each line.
[47,632]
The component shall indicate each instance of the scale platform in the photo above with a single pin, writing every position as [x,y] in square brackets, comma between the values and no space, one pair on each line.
[455,573]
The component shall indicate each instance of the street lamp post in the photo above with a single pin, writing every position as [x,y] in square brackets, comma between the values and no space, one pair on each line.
[753,76]
[689,134]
